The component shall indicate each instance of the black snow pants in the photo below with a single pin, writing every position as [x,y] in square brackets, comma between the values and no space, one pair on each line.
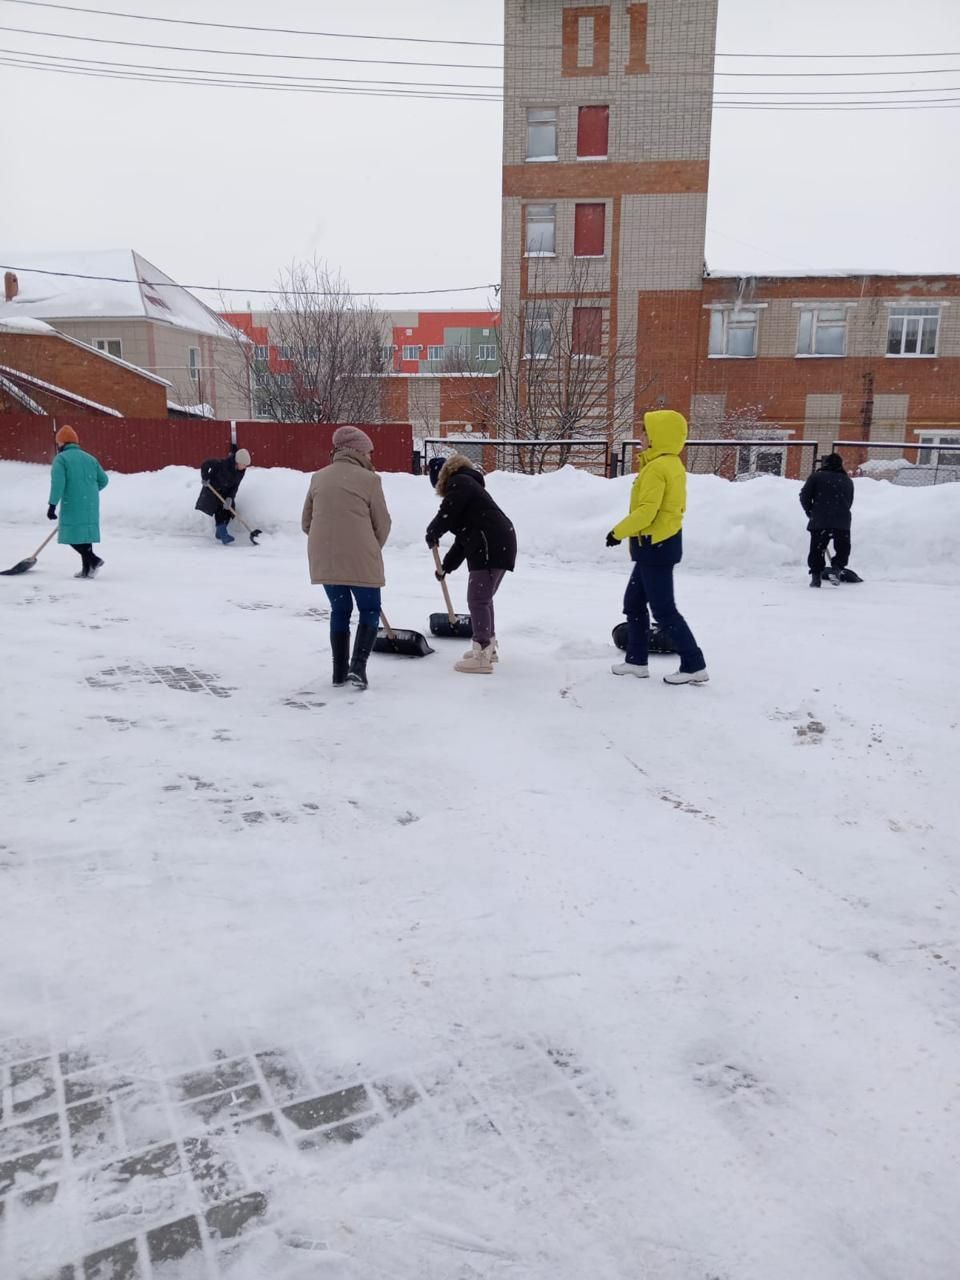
[820,540]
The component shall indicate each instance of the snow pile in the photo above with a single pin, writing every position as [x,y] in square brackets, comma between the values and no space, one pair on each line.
[24,324]
[740,529]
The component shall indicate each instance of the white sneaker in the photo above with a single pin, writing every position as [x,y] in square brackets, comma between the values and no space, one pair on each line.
[478,662]
[630,669]
[687,677]
[494,650]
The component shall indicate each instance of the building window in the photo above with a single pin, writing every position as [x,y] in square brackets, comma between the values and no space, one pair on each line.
[941,450]
[593,131]
[761,460]
[538,334]
[589,225]
[733,332]
[194,358]
[541,229]
[261,353]
[822,332]
[542,133]
[387,353]
[112,346]
[262,406]
[436,353]
[912,331]
[586,41]
[285,381]
[284,352]
[587,335]
[487,351]
[411,353]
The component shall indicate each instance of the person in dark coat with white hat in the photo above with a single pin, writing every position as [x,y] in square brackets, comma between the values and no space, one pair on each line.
[827,499]
[224,475]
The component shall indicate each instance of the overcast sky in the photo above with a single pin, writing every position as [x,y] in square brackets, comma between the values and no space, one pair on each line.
[224,186]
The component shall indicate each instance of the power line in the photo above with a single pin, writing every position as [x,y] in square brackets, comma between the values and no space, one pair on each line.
[282,31]
[224,288]
[239,53]
[729,100]
[54,58]
[347,35]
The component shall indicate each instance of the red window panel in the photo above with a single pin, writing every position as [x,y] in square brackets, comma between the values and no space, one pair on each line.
[588,230]
[593,129]
[587,331]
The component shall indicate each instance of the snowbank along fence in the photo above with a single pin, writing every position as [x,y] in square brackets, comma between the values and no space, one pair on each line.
[147,444]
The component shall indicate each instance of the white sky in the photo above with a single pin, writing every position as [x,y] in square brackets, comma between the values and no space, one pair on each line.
[224,186]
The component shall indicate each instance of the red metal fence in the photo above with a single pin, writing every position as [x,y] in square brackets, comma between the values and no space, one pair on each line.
[144,444]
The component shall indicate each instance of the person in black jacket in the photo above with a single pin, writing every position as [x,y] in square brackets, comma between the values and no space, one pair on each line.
[827,497]
[224,475]
[485,538]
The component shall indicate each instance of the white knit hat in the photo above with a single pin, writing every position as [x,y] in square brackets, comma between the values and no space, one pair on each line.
[242,458]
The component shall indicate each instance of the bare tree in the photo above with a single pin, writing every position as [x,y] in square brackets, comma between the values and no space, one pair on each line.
[745,423]
[325,354]
[562,375]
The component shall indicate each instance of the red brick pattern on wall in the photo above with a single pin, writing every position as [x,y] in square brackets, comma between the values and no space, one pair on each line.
[600,66]
[600,180]
[638,15]
[667,325]
[85,372]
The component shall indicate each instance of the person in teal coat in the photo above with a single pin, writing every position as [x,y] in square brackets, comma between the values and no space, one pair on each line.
[76,479]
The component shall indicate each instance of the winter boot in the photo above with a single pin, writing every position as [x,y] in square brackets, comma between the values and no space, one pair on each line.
[224,535]
[814,578]
[830,576]
[362,649]
[687,677]
[340,648]
[631,669]
[478,662]
[494,651]
[96,564]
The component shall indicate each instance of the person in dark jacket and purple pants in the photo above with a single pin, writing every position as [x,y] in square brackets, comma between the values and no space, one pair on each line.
[485,538]
[827,498]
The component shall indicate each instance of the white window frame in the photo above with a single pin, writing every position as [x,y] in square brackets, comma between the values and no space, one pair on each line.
[487,351]
[755,450]
[387,351]
[537,318]
[546,111]
[103,344]
[540,218]
[814,309]
[726,312]
[437,352]
[193,360]
[261,352]
[411,351]
[284,352]
[923,312]
[931,442]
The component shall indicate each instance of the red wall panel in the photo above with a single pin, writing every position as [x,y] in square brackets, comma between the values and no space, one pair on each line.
[593,125]
[26,437]
[306,446]
[589,222]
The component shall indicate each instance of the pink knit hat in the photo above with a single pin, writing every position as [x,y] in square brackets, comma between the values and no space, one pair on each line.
[352,438]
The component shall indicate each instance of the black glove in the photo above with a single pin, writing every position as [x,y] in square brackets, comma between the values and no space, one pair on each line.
[431,541]
[51,512]
[613,541]
[440,574]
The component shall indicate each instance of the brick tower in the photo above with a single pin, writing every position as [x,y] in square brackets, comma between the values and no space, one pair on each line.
[607,112]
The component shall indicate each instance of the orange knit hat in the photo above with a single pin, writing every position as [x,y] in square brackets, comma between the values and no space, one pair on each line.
[67,435]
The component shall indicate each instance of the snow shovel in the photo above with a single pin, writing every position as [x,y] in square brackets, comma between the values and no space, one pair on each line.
[30,561]
[402,644]
[254,533]
[657,639]
[452,626]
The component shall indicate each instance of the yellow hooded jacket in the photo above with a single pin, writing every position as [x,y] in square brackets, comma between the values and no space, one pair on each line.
[659,495]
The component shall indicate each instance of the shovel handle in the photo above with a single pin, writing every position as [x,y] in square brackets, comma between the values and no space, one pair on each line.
[443,587]
[49,538]
[391,634]
[224,502]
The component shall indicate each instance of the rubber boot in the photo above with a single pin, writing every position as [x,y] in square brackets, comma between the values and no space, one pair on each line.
[224,535]
[340,648]
[814,578]
[362,649]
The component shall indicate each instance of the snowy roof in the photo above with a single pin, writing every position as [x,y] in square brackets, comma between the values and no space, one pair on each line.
[61,392]
[826,273]
[136,289]
[191,410]
[24,324]
[21,397]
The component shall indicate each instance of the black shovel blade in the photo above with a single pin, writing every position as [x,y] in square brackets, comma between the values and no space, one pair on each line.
[22,567]
[657,639]
[402,644]
[460,629]
[254,535]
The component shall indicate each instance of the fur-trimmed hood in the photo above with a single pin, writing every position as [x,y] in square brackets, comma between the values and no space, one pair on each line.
[453,466]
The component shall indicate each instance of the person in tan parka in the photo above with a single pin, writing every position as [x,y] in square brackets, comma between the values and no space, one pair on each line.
[346,521]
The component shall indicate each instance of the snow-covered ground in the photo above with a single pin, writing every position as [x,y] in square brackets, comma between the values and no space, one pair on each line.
[543,976]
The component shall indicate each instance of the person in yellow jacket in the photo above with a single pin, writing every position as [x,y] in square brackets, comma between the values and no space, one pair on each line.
[654,526]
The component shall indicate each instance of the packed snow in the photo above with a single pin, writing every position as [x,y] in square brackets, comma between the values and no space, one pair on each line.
[610,979]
